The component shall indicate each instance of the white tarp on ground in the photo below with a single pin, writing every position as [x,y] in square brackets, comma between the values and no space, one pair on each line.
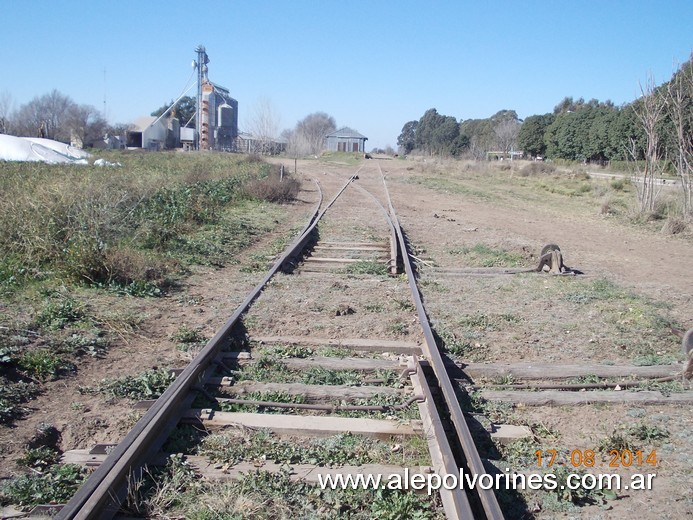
[37,149]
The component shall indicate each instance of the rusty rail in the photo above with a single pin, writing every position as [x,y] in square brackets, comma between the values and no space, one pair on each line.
[431,351]
[100,495]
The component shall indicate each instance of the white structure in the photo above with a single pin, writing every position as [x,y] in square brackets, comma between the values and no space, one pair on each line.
[39,150]
[146,132]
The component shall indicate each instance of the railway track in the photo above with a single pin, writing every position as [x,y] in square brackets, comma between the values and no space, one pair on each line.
[371,373]
[330,367]
[382,387]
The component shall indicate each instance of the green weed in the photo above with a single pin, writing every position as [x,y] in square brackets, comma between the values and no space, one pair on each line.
[60,311]
[654,358]
[648,433]
[56,485]
[13,395]
[286,351]
[399,329]
[42,364]
[341,449]
[80,343]
[187,338]
[324,376]
[481,255]
[487,322]
[617,440]
[403,305]
[272,370]
[274,397]
[367,268]
[148,385]
[40,458]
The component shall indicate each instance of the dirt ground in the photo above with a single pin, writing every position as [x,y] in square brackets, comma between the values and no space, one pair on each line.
[546,325]
[538,320]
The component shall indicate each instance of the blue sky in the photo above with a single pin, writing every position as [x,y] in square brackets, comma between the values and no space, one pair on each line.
[372,65]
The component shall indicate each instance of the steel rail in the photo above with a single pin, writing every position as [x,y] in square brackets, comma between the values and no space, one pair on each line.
[394,251]
[455,501]
[100,496]
[430,349]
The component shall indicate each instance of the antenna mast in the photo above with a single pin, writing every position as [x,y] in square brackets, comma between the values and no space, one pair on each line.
[104,95]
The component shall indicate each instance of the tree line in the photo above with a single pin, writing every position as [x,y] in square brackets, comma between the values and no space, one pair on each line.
[577,130]
[54,116]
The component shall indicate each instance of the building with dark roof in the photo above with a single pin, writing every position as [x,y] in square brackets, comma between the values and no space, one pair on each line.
[345,140]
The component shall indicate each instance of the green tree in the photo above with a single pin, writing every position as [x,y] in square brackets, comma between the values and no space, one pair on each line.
[530,139]
[184,111]
[407,139]
[582,131]
[445,135]
[479,135]
[426,129]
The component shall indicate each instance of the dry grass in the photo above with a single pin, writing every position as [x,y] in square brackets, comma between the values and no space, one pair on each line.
[90,223]
[273,189]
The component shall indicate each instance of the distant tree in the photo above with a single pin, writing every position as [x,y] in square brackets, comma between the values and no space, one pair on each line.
[45,116]
[407,139]
[184,111]
[530,137]
[649,110]
[679,98]
[294,147]
[624,130]
[426,128]
[6,107]
[506,126]
[311,131]
[460,145]
[568,104]
[479,135]
[86,124]
[583,131]
[597,145]
[263,124]
[445,136]
[436,133]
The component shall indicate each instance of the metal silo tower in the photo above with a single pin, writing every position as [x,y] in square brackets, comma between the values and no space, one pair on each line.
[202,61]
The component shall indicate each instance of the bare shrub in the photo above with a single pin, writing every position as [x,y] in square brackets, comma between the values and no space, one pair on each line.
[606,207]
[537,168]
[126,265]
[620,184]
[273,189]
[674,226]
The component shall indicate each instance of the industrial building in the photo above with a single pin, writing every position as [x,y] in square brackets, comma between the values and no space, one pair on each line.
[217,111]
[216,120]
